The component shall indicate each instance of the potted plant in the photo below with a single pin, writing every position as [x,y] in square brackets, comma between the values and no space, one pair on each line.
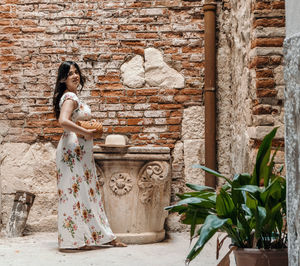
[250,208]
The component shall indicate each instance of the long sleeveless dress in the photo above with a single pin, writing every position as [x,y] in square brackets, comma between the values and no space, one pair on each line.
[81,217]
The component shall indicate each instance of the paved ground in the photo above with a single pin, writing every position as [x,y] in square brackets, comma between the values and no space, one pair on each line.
[40,249]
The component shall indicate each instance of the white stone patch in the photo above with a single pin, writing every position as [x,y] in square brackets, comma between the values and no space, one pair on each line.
[278,73]
[193,123]
[261,131]
[133,73]
[194,153]
[158,73]
[155,72]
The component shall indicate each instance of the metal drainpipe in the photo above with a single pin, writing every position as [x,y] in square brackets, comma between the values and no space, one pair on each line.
[210,90]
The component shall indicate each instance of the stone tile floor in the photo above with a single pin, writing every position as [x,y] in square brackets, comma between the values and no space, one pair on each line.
[40,249]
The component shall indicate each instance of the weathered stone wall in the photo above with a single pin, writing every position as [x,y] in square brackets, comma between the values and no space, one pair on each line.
[250,88]
[30,168]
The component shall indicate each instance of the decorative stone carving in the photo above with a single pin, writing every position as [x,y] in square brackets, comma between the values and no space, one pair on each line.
[100,175]
[120,183]
[152,174]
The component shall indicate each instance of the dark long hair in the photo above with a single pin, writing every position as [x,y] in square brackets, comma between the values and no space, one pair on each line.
[60,86]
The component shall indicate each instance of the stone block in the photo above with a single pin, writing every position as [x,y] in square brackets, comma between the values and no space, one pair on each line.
[263,120]
[28,167]
[31,168]
[259,132]
[278,75]
[158,73]
[194,153]
[193,123]
[133,73]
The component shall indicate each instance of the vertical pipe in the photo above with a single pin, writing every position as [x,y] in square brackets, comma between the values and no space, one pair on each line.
[210,90]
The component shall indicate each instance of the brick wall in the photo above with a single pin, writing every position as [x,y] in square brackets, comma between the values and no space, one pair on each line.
[100,35]
[267,62]
[251,86]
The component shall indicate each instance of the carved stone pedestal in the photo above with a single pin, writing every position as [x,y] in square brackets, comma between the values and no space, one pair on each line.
[136,186]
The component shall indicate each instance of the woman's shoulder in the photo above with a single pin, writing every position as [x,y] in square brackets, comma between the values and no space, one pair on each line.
[69,96]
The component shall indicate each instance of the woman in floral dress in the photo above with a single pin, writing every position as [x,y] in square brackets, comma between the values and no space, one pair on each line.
[82,222]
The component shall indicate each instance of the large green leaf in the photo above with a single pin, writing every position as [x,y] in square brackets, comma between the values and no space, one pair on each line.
[238,181]
[273,190]
[251,202]
[208,229]
[199,188]
[269,169]
[200,218]
[213,172]
[224,205]
[260,217]
[250,188]
[262,157]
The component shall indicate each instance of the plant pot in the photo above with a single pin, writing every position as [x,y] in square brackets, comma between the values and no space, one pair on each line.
[261,257]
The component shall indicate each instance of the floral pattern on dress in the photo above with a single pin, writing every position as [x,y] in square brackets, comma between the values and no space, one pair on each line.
[81,217]
[70,225]
[87,214]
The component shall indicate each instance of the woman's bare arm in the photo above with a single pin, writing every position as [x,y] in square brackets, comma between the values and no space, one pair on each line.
[65,120]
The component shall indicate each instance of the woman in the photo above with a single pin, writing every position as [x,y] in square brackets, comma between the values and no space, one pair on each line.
[82,223]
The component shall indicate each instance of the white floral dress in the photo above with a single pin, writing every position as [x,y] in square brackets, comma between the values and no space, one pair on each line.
[81,217]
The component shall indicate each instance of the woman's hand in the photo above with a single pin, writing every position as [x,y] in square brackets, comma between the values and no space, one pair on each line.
[89,135]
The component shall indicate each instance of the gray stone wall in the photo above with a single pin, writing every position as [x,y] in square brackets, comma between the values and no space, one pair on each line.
[292,132]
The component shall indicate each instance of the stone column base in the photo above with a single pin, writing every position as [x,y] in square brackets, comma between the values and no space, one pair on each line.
[141,238]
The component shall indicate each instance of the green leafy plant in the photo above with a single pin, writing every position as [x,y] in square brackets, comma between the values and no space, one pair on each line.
[250,208]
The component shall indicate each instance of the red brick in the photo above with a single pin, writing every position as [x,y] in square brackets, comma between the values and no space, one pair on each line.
[110,86]
[181,98]
[133,99]
[173,135]
[135,121]
[174,128]
[33,29]
[95,93]
[114,93]
[278,5]
[266,93]
[160,99]
[261,110]
[147,35]
[50,130]
[191,91]
[90,57]
[267,42]
[174,121]
[194,50]
[166,106]
[128,129]
[4,22]
[112,100]
[264,73]
[146,91]
[265,83]
[259,61]
[269,22]
[108,78]
[276,60]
